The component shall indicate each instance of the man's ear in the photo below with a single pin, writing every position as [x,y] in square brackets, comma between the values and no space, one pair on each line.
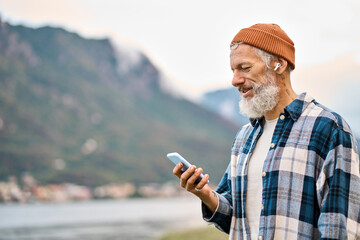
[280,65]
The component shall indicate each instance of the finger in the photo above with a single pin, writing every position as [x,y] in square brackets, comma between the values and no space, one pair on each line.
[177,169]
[185,176]
[194,177]
[203,182]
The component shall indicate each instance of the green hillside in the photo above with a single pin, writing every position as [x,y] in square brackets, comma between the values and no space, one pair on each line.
[102,115]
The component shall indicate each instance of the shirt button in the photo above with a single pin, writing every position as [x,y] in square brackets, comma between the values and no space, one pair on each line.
[260,238]
[264,174]
[272,145]
[262,206]
[282,117]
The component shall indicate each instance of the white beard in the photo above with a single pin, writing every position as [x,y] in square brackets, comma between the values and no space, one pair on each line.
[266,97]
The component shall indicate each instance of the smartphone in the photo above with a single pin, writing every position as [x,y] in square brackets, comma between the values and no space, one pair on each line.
[176,158]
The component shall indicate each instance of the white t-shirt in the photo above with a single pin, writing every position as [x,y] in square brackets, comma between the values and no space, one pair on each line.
[254,178]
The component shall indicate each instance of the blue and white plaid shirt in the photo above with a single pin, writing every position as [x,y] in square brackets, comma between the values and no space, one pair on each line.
[311,183]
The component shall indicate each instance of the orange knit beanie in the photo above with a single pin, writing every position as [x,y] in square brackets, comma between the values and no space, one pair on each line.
[270,38]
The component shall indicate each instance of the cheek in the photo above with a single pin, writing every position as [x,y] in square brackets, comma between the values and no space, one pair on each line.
[263,76]
[254,77]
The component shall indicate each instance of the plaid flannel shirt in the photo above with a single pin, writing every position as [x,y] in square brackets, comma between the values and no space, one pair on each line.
[311,184]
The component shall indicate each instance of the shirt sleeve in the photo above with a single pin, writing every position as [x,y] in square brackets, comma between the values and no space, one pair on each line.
[338,187]
[223,213]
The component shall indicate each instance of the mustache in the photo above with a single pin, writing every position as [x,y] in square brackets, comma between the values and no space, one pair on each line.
[256,87]
[246,87]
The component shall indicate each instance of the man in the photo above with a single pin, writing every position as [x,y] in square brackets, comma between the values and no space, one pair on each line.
[294,169]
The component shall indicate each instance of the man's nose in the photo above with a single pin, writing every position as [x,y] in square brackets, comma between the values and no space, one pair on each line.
[238,79]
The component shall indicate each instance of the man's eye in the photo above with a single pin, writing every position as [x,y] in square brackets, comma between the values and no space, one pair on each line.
[246,69]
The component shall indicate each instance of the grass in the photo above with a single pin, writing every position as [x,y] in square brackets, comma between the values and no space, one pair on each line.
[208,233]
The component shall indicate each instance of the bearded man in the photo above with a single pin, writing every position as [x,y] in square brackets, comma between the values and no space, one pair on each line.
[294,169]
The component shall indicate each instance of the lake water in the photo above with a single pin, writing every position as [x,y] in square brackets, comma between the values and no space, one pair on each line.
[130,219]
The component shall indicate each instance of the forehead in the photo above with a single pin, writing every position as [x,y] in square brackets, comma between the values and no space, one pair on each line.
[242,54]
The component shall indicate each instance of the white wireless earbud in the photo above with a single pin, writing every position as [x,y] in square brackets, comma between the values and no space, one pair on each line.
[277,66]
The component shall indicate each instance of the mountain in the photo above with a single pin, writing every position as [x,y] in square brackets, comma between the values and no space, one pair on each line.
[225,103]
[335,84]
[85,111]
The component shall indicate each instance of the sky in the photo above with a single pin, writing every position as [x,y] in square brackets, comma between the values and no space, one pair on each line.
[189,39]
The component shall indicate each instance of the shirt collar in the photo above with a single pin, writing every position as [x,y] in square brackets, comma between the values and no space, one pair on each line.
[294,109]
[298,106]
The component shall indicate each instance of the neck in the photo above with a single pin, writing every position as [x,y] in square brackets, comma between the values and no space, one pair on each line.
[286,96]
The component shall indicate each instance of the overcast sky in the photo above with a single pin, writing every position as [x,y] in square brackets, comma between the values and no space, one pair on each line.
[189,39]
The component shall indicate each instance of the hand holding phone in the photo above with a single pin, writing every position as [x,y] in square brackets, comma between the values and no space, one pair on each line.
[176,158]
